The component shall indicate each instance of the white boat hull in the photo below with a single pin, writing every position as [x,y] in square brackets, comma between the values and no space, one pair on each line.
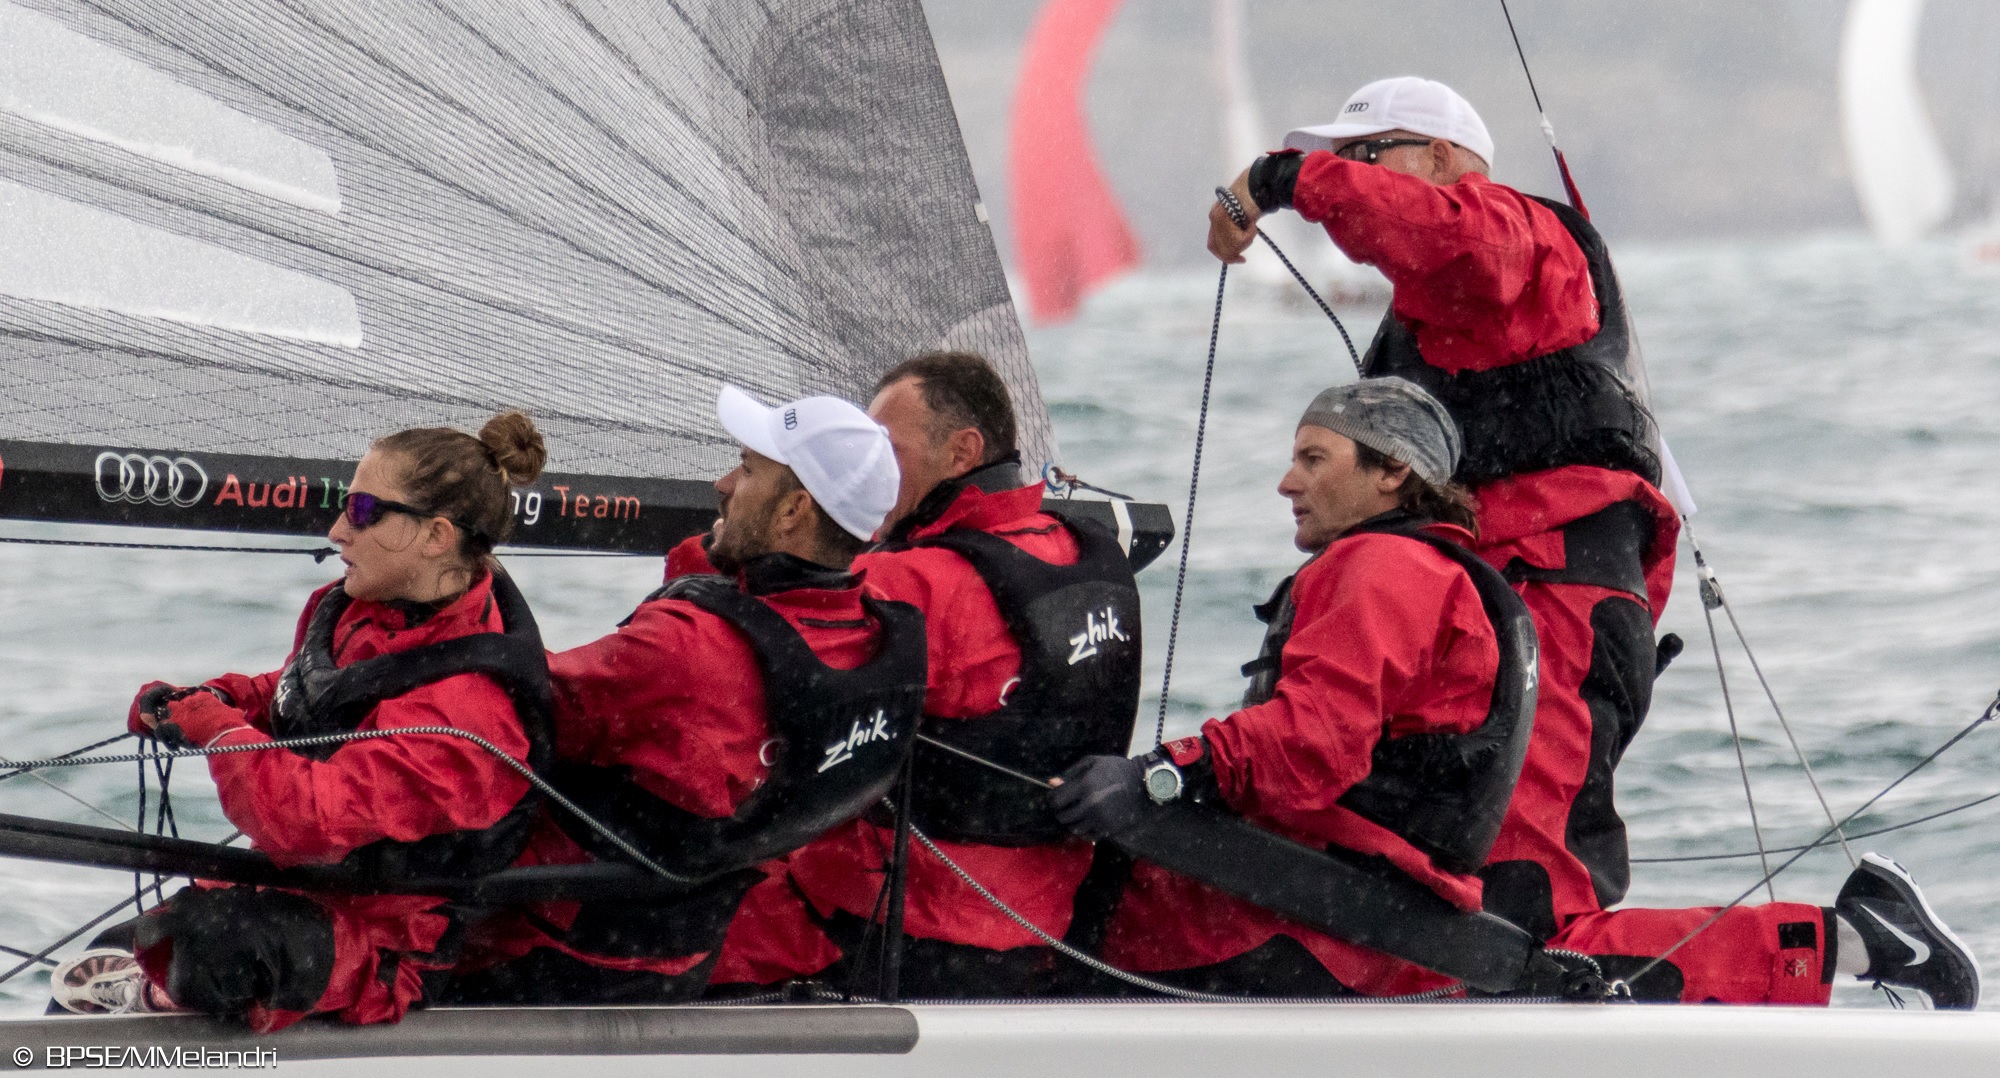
[1098,1040]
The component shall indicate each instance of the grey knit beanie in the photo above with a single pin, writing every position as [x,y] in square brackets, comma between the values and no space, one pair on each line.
[1395,417]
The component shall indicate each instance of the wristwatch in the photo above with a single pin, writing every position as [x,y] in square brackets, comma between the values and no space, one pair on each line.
[1163,782]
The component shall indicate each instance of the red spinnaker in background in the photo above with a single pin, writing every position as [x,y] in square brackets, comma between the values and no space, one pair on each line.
[1069,235]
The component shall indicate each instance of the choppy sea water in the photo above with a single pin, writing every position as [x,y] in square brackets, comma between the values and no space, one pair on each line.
[1833,406]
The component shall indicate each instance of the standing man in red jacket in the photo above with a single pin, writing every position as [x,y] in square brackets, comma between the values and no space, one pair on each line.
[1506,308]
[1033,627]
[705,730]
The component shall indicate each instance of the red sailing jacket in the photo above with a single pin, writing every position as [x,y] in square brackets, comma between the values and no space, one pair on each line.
[974,662]
[303,811]
[1483,275]
[1547,822]
[1389,638]
[676,696]
[1486,277]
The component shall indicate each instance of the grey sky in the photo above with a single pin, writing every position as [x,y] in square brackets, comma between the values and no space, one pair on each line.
[1693,118]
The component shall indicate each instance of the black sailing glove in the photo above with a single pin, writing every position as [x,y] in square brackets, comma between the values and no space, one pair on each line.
[1101,796]
[1272,178]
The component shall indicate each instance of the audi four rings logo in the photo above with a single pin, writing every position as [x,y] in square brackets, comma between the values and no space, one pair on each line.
[141,479]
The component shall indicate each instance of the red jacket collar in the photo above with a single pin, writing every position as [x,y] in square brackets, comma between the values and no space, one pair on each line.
[473,612]
[809,589]
[976,509]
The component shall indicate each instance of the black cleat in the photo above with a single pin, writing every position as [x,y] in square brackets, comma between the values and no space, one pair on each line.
[1908,946]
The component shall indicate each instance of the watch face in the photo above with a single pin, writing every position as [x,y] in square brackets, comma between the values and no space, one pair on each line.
[1163,783]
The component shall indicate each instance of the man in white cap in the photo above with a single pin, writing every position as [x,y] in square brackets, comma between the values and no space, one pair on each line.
[672,722]
[1033,626]
[1508,311]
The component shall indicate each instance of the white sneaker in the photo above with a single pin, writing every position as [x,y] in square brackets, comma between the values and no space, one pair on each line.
[103,980]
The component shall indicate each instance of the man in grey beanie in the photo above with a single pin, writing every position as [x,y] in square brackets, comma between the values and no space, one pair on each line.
[1380,636]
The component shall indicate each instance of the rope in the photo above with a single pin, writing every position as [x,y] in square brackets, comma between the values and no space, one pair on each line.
[92,747]
[1113,971]
[1984,717]
[1710,585]
[1194,487]
[1814,846]
[1237,214]
[524,770]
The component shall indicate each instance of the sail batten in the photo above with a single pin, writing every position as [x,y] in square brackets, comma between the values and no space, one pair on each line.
[594,210]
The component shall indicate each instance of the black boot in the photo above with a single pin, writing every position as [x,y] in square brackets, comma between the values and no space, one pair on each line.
[1908,946]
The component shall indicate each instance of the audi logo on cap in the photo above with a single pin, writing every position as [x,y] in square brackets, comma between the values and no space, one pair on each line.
[142,479]
[1358,106]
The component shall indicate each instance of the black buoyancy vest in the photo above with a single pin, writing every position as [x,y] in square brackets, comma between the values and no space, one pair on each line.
[1578,405]
[841,735]
[1078,630]
[1445,794]
[315,696]
[841,738]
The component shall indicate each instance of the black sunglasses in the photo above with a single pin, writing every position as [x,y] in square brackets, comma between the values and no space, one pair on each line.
[1368,150]
[364,511]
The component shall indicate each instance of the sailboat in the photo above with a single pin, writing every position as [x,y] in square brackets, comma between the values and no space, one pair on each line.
[247,235]
[1911,194]
[1244,138]
[1907,194]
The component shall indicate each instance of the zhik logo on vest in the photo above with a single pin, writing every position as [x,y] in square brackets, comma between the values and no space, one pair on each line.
[1099,627]
[877,729]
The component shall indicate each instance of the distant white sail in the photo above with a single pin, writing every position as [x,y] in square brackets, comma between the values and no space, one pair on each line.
[1244,137]
[1900,172]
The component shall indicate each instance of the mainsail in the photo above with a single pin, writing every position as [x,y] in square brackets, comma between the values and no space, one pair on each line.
[277,228]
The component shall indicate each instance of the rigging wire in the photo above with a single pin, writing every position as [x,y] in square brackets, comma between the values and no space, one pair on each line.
[1548,127]
[92,747]
[1984,717]
[1710,586]
[42,956]
[1711,598]
[1940,814]
[88,805]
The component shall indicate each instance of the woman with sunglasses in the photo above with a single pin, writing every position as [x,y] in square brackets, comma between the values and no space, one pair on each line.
[371,654]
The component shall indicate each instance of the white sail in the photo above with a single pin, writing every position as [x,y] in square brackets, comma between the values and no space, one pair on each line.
[1900,172]
[1244,137]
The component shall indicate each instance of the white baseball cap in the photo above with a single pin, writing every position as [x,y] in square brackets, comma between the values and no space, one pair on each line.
[842,457]
[1407,103]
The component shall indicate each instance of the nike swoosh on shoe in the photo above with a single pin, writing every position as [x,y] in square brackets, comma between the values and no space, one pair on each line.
[1917,947]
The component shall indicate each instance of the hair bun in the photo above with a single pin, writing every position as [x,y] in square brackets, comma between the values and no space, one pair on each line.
[515,447]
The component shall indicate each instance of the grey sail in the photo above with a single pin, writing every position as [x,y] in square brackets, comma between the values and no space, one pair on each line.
[280,227]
